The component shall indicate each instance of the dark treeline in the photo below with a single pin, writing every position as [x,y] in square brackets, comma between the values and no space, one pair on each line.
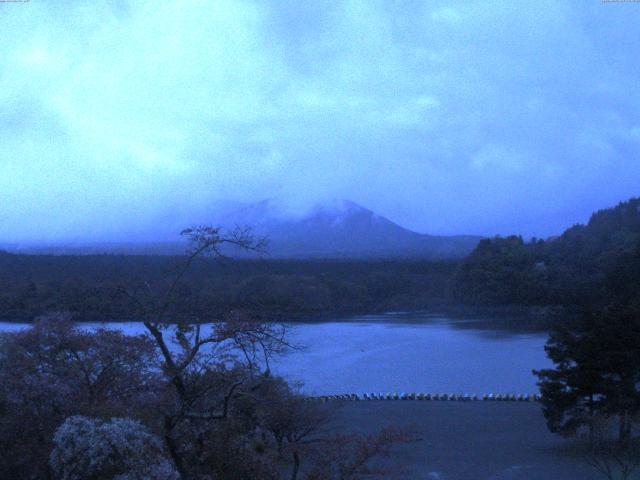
[583,267]
[85,286]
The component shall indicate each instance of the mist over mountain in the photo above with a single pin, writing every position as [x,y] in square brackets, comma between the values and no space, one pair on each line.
[334,229]
[342,229]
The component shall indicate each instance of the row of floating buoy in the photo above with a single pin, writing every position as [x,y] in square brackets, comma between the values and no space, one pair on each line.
[430,396]
[327,398]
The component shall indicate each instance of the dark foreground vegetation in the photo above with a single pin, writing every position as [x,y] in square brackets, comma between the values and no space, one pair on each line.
[102,405]
[593,272]
[594,388]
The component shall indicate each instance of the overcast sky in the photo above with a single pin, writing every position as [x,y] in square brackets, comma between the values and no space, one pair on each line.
[445,116]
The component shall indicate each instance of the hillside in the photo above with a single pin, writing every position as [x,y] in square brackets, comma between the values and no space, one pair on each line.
[587,264]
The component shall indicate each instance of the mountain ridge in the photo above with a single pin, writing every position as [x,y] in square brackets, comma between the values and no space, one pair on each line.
[344,229]
[338,229]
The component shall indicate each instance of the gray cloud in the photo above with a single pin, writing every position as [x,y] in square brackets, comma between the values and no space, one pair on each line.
[449,117]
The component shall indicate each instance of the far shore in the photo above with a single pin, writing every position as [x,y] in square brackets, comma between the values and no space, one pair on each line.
[507,318]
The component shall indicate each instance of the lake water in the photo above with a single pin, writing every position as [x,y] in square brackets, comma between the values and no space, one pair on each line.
[413,352]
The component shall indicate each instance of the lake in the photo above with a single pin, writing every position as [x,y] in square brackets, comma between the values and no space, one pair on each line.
[403,352]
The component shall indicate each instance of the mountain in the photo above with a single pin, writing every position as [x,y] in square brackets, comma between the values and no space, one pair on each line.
[342,229]
[338,229]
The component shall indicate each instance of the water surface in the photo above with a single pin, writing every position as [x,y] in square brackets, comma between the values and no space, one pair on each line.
[412,352]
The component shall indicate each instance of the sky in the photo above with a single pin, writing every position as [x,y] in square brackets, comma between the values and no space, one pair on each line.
[448,117]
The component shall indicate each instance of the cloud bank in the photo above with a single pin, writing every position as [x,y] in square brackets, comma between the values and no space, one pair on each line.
[448,117]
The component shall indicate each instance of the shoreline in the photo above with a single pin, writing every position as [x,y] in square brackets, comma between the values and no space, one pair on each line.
[514,313]
[508,320]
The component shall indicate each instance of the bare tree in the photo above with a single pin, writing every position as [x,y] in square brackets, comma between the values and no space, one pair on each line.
[294,423]
[611,458]
[207,367]
[348,457]
[615,461]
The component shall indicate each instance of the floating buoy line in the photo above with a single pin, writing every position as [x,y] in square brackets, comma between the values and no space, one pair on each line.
[489,397]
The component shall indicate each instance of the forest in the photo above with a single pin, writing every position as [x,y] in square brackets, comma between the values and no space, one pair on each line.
[86,286]
[584,266]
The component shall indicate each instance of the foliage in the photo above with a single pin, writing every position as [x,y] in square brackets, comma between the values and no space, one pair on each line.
[118,449]
[54,370]
[31,285]
[501,271]
[570,270]
[597,371]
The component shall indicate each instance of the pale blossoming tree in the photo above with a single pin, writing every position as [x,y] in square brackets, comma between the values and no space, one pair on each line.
[119,449]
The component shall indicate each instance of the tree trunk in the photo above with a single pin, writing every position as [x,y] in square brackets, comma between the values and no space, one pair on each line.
[591,421]
[624,433]
[172,448]
[296,465]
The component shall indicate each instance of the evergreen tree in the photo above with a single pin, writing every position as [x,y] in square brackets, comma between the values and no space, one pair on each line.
[597,371]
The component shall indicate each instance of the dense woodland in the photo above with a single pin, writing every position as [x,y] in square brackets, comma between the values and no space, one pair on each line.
[86,286]
[583,267]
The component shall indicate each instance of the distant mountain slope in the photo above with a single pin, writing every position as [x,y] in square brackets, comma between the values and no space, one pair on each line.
[339,229]
[343,229]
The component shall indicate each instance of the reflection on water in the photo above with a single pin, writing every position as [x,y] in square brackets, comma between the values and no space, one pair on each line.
[403,352]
